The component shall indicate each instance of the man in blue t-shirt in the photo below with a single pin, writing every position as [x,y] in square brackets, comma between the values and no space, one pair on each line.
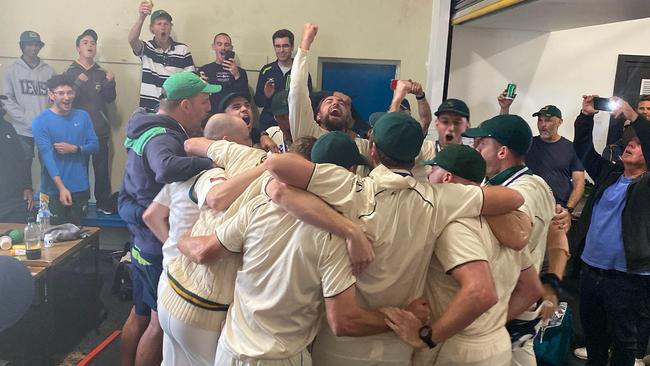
[552,157]
[65,138]
[615,278]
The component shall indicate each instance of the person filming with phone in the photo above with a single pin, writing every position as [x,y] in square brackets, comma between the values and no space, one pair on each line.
[614,232]
[224,71]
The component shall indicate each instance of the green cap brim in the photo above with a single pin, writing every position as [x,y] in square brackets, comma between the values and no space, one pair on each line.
[211,89]
[476,132]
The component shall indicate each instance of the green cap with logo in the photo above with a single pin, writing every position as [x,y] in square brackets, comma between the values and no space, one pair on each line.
[460,160]
[399,136]
[160,14]
[31,37]
[454,106]
[337,148]
[187,84]
[508,129]
[549,111]
[280,104]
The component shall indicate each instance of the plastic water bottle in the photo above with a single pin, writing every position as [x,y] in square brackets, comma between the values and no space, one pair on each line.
[32,240]
[43,218]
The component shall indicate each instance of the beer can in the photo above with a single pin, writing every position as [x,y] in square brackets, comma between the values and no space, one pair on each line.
[510,91]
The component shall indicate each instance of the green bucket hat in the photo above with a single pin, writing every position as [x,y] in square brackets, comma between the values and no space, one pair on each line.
[549,111]
[280,103]
[187,84]
[454,106]
[337,148]
[460,160]
[160,14]
[509,129]
[399,136]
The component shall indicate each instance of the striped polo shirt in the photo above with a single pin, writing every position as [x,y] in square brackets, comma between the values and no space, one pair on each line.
[157,66]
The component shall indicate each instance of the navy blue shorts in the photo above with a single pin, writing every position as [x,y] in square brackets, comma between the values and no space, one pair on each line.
[146,269]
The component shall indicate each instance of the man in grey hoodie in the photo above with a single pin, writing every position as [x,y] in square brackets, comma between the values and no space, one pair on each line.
[25,87]
[94,89]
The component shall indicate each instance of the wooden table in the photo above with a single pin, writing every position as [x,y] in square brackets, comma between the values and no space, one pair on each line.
[44,271]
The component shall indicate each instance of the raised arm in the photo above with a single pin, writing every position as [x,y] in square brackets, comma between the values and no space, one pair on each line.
[424,109]
[301,114]
[583,140]
[291,169]
[499,200]
[144,9]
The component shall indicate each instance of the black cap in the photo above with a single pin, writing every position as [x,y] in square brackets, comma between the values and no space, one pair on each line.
[87,32]
[223,104]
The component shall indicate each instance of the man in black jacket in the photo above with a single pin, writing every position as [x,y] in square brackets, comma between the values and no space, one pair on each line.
[94,89]
[16,195]
[615,227]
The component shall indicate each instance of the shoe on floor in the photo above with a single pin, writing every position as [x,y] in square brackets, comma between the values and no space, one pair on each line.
[581,353]
[105,210]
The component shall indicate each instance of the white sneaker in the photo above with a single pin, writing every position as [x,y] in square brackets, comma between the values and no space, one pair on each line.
[581,353]
[639,362]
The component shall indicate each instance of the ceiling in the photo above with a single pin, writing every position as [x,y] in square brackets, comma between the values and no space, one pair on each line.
[554,15]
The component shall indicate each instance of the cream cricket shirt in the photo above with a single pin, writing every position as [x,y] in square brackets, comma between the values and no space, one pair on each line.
[198,292]
[288,267]
[467,240]
[403,218]
[539,205]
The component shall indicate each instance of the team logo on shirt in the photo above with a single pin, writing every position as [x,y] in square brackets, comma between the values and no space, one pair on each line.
[359,185]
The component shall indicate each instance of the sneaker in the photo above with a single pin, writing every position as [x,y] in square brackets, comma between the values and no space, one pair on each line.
[581,353]
[104,210]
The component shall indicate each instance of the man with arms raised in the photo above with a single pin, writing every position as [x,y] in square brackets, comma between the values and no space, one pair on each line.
[161,57]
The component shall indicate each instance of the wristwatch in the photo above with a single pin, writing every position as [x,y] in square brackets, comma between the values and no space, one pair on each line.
[425,335]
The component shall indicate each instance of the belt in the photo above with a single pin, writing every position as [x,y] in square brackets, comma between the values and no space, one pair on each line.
[606,272]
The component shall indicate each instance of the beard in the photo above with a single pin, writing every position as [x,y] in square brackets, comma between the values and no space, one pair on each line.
[334,125]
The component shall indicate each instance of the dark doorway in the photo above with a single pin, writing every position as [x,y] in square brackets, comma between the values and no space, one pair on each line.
[631,70]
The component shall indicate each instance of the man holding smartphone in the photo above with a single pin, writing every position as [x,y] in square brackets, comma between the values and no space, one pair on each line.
[274,77]
[224,71]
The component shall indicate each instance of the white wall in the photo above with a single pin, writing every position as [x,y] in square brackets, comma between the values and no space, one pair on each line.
[363,29]
[548,68]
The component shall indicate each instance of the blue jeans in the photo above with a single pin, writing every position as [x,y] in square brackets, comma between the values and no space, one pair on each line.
[610,302]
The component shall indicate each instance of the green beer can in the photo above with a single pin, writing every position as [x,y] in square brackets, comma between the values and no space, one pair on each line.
[510,91]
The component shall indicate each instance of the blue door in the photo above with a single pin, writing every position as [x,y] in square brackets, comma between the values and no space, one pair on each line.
[368,84]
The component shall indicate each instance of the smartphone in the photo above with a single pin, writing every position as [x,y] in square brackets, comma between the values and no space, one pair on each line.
[393,84]
[228,55]
[604,104]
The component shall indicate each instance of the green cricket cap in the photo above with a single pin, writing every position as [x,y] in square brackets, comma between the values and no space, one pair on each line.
[280,103]
[160,14]
[399,136]
[508,129]
[374,117]
[454,106]
[337,148]
[460,160]
[187,84]
[549,111]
